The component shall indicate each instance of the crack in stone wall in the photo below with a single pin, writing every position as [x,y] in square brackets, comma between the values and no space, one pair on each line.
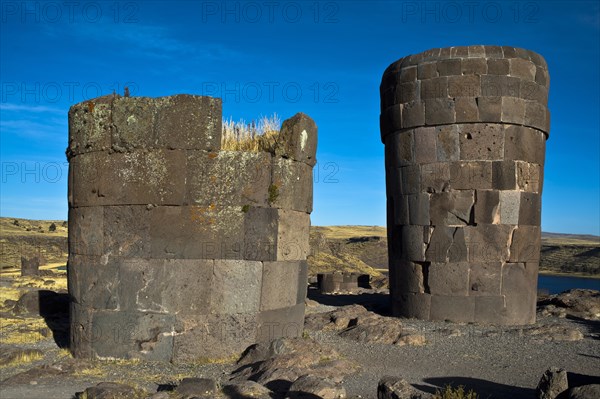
[464,130]
[177,249]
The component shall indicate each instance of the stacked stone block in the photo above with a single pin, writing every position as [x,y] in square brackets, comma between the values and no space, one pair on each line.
[178,250]
[464,130]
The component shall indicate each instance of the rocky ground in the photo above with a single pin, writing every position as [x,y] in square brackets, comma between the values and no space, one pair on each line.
[348,345]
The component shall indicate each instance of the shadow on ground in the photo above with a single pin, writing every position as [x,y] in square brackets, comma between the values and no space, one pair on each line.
[378,303]
[484,388]
[54,308]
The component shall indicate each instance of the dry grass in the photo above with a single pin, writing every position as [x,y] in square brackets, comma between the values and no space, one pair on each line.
[57,282]
[21,356]
[258,136]
[22,330]
[346,232]
[323,262]
[6,294]
[455,393]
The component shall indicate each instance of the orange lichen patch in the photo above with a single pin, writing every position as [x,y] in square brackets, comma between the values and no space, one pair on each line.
[90,105]
[212,155]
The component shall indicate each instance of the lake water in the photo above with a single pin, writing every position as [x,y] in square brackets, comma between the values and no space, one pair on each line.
[558,284]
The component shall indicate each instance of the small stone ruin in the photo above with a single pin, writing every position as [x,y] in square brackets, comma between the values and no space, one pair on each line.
[179,250]
[465,130]
[329,283]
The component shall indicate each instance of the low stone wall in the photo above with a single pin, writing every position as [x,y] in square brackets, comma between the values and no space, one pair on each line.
[341,281]
[464,130]
[178,250]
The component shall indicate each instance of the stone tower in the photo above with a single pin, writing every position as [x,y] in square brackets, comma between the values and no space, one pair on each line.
[464,130]
[178,250]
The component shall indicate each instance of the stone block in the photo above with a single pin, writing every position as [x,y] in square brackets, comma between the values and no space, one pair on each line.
[435,177]
[509,52]
[425,145]
[485,278]
[456,309]
[530,209]
[477,51]
[399,148]
[126,231]
[489,109]
[513,110]
[94,281]
[528,177]
[427,70]
[449,67]
[448,143]
[534,91]
[330,282]
[133,120]
[280,284]
[228,178]
[521,68]
[142,335]
[298,139]
[458,251]
[500,86]
[388,98]
[490,309]
[459,52]
[292,235]
[401,215]
[524,144]
[434,88]
[488,242]
[174,286]
[493,52]
[279,323]
[525,244]
[227,295]
[418,205]
[499,66]
[452,208]
[413,114]
[509,206]
[411,179]
[86,175]
[442,239]
[143,177]
[293,183]
[86,230]
[80,331]
[212,337]
[465,85]
[408,276]
[519,283]
[439,111]
[412,306]
[408,74]
[407,92]
[448,278]
[30,266]
[391,119]
[467,175]
[504,175]
[413,242]
[487,207]
[481,141]
[474,66]
[536,115]
[89,126]
[542,77]
[189,122]
[302,283]
[466,109]
[197,232]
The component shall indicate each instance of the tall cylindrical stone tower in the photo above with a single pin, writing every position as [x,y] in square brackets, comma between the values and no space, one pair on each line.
[179,250]
[464,130]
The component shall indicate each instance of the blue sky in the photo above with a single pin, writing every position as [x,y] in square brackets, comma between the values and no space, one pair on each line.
[324,58]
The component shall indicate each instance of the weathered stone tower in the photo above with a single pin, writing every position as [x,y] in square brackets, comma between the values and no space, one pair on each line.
[464,130]
[178,250]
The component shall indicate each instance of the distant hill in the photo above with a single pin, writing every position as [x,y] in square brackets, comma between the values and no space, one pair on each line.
[352,248]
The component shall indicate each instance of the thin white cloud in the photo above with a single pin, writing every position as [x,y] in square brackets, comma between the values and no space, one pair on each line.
[31,108]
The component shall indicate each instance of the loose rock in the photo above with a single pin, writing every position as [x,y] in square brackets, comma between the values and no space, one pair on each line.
[553,383]
[311,387]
